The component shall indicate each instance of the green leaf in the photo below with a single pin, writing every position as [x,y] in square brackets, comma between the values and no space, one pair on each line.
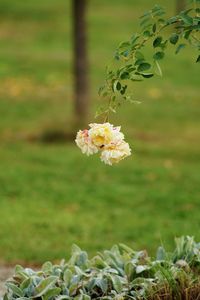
[124,45]
[161,21]
[186,19]
[130,270]
[126,249]
[187,34]
[146,33]
[174,38]
[163,45]
[135,79]
[159,55]
[157,42]
[146,14]
[147,75]
[47,267]
[62,297]
[124,75]
[144,22]
[22,275]
[19,268]
[98,262]
[103,284]
[143,67]
[141,268]
[198,59]
[131,69]
[158,68]
[52,293]
[45,285]
[123,90]
[134,39]
[159,13]
[25,283]
[181,46]
[117,284]
[187,10]
[139,61]
[139,55]
[82,259]
[67,276]
[197,10]
[154,28]
[74,283]
[161,254]
[157,8]
[16,290]
[195,27]
[118,86]
[85,297]
[172,20]
[23,298]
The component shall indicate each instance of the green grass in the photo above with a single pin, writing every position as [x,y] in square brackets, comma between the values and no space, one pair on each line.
[51,195]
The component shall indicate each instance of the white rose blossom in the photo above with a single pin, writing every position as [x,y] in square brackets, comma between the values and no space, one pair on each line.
[107,139]
[104,134]
[113,153]
[84,142]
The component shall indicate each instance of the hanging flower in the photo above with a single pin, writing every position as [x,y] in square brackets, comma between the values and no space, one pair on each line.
[104,134]
[84,142]
[107,139]
[114,153]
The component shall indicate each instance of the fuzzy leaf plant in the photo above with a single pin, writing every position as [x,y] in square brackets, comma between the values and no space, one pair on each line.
[118,273]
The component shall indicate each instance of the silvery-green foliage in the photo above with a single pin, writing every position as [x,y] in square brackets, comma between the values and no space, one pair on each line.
[119,273]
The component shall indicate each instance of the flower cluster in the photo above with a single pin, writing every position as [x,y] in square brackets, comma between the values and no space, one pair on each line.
[104,138]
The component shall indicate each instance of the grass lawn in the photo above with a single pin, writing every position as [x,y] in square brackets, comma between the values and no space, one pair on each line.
[51,195]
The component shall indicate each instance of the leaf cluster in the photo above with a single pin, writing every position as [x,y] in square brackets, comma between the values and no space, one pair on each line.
[131,63]
[119,273]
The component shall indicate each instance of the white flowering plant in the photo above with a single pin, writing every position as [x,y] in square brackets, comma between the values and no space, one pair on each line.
[134,66]
[106,139]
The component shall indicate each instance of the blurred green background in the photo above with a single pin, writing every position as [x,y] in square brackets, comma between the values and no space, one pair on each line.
[50,194]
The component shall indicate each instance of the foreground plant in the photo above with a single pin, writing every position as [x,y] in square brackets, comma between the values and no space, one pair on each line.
[131,63]
[119,273]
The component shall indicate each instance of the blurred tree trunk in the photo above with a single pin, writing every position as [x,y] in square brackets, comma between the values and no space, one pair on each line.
[180,5]
[80,65]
